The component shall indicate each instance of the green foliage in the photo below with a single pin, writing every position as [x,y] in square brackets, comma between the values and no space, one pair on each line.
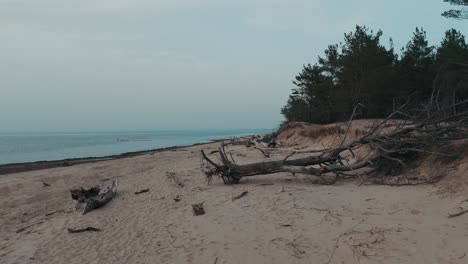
[366,63]
[361,70]
[453,47]
[416,68]
[452,77]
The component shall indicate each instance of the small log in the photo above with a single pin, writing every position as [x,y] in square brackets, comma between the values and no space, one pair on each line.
[55,212]
[265,184]
[232,173]
[103,198]
[142,191]
[240,195]
[80,230]
[461,209]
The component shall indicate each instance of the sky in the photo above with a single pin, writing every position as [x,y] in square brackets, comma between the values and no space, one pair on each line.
[101,65]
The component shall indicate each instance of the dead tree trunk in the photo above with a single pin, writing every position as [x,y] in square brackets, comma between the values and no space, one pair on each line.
[103,198]
[94,198]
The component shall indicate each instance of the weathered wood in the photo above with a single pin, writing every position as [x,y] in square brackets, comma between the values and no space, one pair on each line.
[265,154]
[242,194]
[173,176]
[80,230]
[102,198]
[142,191]
[232,173]
[460,209]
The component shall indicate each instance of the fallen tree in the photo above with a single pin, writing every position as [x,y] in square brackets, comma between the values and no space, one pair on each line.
[400,138]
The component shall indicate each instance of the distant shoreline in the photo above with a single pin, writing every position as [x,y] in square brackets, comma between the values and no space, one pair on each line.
[18,167]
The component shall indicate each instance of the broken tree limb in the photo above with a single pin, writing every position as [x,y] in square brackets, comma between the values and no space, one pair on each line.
[232,173]
[242,194]
[80,230]
[93,198]
[142,191]
[265,154]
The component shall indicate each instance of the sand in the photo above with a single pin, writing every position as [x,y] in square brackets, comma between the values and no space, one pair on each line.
[282,219]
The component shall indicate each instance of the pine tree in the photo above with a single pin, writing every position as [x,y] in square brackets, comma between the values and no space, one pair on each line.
[416,68]
[456,13]
[363,71]
[451,80]
[366,71]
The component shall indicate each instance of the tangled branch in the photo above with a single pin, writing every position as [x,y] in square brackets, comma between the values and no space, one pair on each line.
[392,143]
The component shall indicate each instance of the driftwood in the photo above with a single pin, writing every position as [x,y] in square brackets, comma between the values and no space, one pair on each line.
[460,212]
[242,194]
[83,193]
[395,141]
[86,229]
[198,209]
[89,200]
[460,209]
[265,154]
[142,191]
[232,173]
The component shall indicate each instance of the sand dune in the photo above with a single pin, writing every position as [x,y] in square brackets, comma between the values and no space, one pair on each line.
[282,219]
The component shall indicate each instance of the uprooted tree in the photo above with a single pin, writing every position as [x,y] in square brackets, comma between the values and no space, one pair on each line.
[400,138]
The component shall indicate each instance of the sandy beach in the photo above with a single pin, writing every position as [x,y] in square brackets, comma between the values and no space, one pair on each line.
[233,132]
[282,218]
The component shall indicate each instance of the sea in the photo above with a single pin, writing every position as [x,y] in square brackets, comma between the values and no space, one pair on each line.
[46,146]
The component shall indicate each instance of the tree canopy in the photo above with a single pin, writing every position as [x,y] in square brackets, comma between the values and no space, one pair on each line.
[361,70]
[456,13]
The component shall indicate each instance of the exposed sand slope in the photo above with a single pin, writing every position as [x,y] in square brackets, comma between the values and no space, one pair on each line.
[288,221]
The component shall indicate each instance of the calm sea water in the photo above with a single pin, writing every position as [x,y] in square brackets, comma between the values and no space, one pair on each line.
[27,147]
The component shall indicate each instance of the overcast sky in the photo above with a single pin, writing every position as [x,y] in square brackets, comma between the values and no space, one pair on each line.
[92,65]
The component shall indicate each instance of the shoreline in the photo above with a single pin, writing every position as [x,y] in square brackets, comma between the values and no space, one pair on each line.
[152,217]
[10,168]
